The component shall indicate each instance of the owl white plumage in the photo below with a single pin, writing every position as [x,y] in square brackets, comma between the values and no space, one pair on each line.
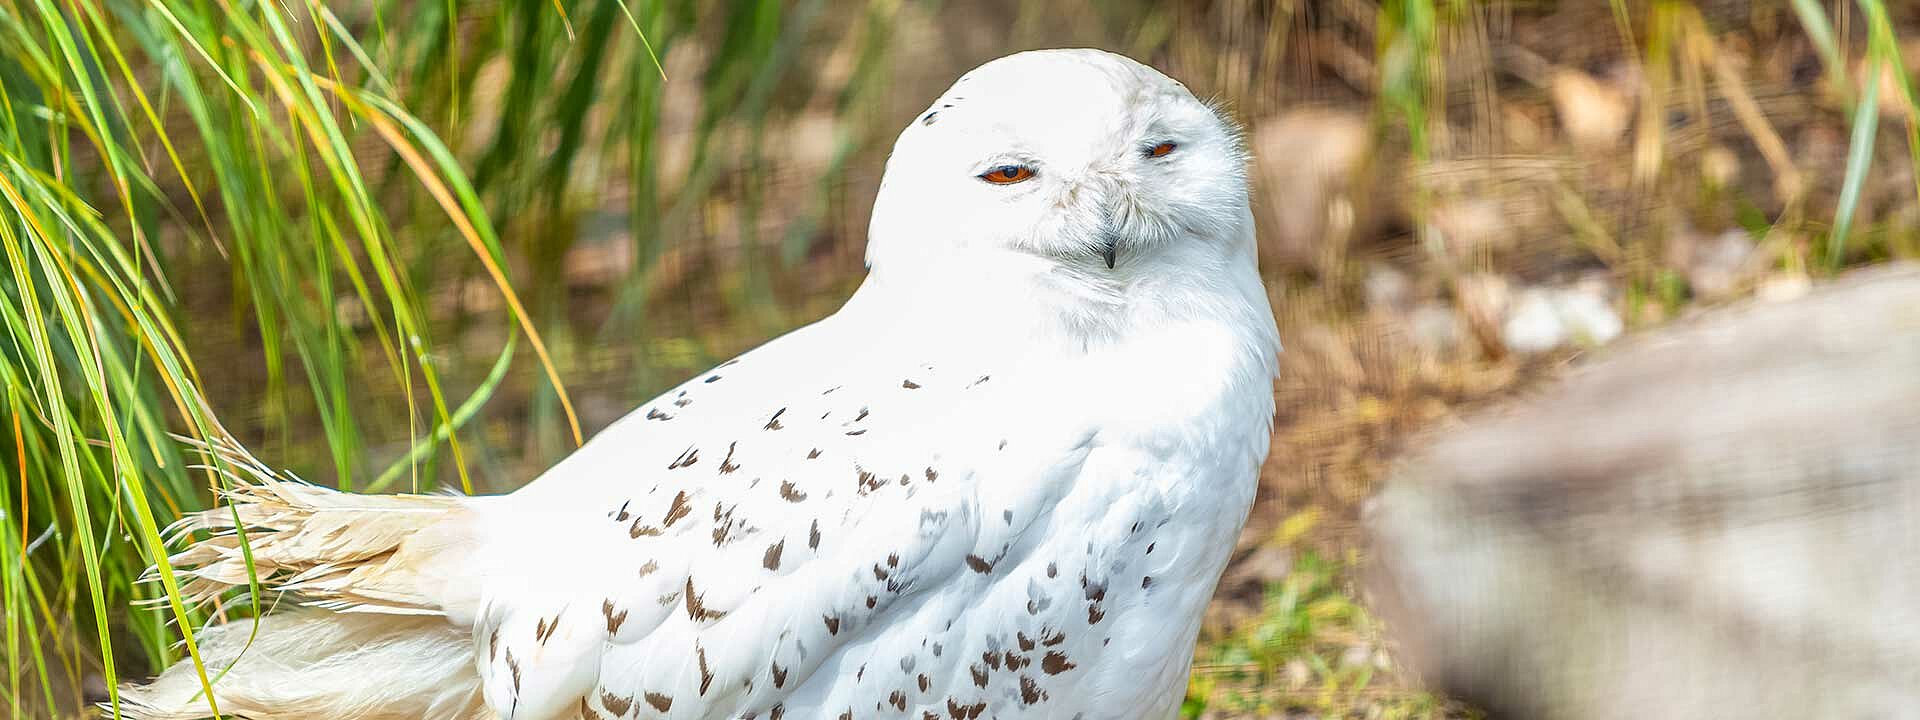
[1001,482]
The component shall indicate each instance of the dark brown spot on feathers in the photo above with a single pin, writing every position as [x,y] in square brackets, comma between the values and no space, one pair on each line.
[653,414]
[712,378]
[979,564]
[779,676]
[790,492]
[615,704]
[659,701]
[1030,691]
[861,416]
[639,530]
[721,530]
[588,713]
[813,536]
[687,458]
[1094,591]
[621,514]
[909,384]
[1055,663]
[991,658]
[727,465]
[777,712]
[772,559]
[1146,581]
[1053,570]
[814,454]
[866,481]
[871,601]
[931,475]
[979,675]
[957,711]
[513,669]
[924,682]
[833,624]
[706,676]
[898,700]
[493,644]
[695,609]
[543,629]
[1026,643]
[1015,661]
[1051,640]
[649,568]
[861,431]
[614,620]
[773,423]
[679,509]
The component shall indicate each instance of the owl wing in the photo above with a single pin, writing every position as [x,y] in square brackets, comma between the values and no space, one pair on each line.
[708,553]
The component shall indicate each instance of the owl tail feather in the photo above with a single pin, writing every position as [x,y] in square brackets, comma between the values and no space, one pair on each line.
[308,663]
[386,594]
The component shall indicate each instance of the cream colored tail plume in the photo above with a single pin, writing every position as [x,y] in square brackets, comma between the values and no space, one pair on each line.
[366,567]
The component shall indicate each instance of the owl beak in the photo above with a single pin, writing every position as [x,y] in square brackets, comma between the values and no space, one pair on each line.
[1109,240]
[1110,235]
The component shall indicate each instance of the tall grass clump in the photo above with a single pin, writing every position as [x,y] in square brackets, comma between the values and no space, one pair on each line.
[134,135]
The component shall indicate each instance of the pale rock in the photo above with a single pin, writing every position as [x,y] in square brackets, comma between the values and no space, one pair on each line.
[1711,520]
[1535,325]
[1468,227]
[1435,329]
[1715,266]
[1308,163]
[1782,287]
[1594,114]
[1719,167]
[1387,289]
[1544,319]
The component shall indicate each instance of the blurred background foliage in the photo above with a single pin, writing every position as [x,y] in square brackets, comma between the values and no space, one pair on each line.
[373,241]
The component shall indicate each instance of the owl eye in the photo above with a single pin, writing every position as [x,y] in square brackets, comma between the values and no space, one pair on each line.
[1162,150]
[1007,174]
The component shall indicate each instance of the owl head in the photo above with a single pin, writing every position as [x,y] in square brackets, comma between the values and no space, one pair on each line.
[1084,161]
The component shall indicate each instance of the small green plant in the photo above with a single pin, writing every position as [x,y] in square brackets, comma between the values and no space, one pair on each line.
[1312,647]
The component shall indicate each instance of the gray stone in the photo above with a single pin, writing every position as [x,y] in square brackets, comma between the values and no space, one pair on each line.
[1719,519]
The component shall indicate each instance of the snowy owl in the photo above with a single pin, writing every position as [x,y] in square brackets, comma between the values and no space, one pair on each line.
[1001,482]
